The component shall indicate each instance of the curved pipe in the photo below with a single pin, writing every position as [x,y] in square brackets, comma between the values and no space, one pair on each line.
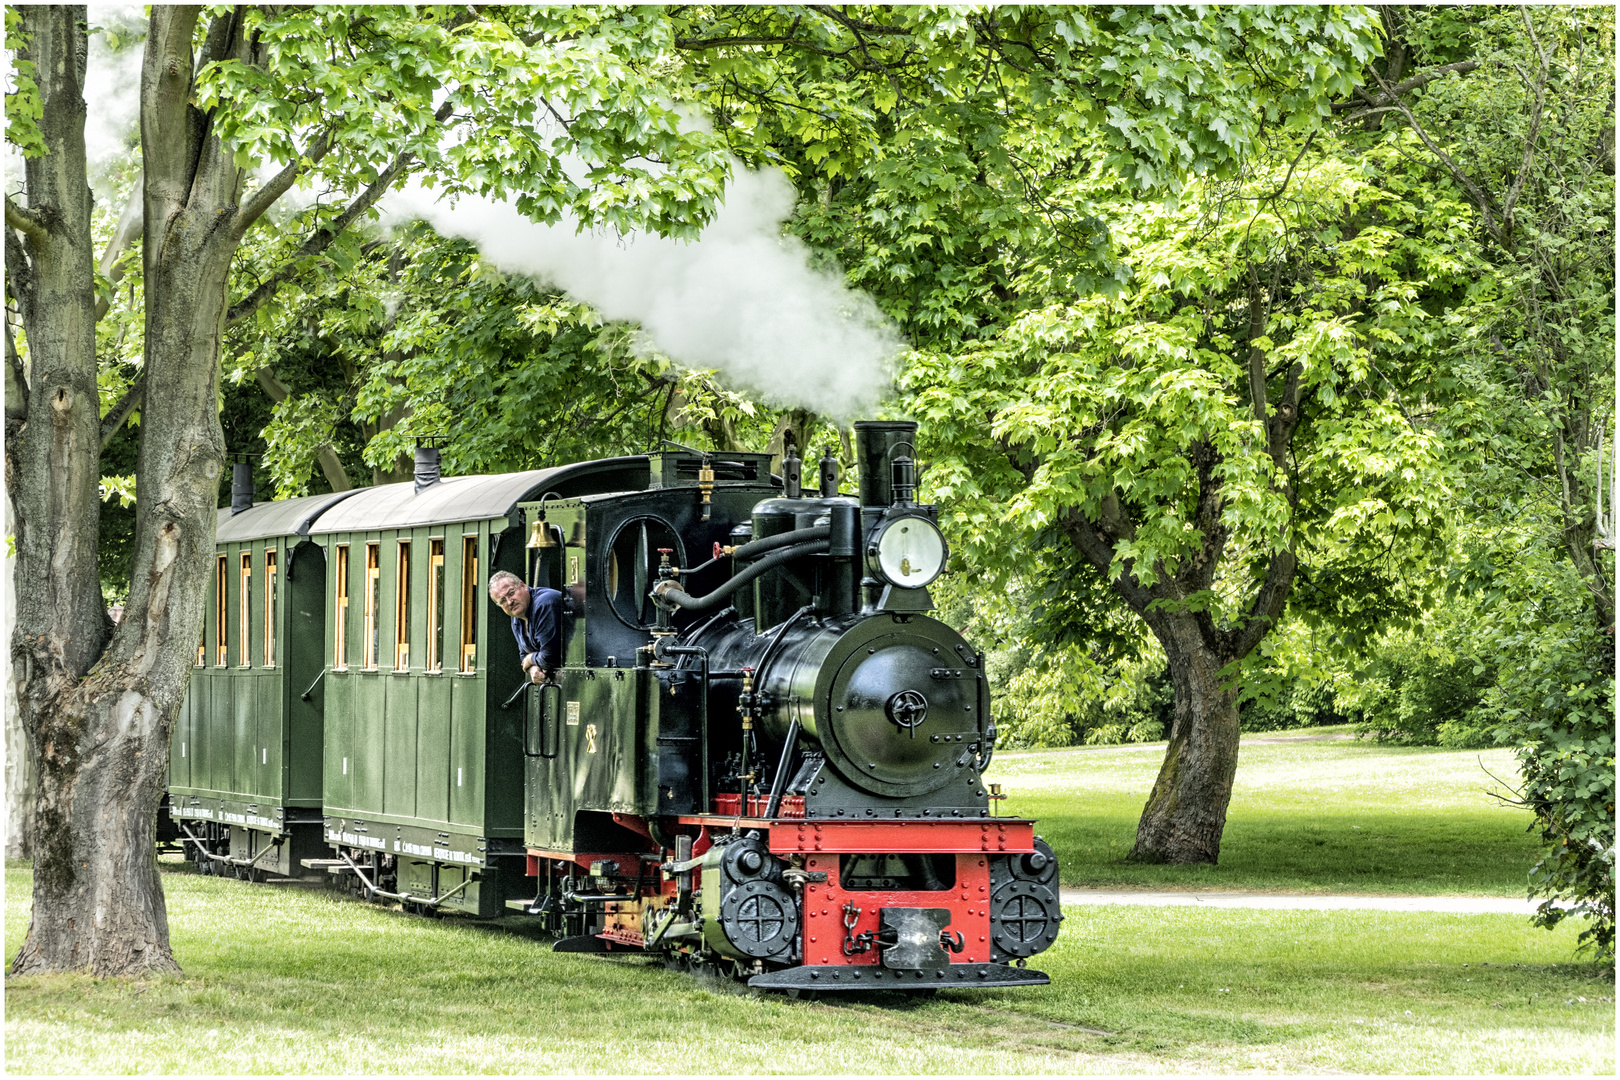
[670,594]
[771,543]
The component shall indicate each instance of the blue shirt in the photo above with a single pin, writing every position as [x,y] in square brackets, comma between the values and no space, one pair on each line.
[540,636]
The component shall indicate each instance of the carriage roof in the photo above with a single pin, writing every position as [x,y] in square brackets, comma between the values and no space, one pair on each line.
[285,517]
[476,498]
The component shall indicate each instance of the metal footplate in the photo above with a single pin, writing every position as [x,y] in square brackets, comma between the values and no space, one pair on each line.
[873,977]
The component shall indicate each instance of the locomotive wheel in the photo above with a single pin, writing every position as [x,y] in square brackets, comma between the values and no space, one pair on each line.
[799,993]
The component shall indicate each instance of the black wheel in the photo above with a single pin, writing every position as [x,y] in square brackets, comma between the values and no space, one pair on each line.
[798,993]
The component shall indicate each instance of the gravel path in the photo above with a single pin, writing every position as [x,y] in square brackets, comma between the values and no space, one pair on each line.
[1131,748]
[1460,905]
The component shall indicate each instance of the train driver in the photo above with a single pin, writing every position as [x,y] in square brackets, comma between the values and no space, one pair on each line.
[537,622]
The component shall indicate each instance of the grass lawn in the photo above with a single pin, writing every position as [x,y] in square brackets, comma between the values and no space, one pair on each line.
[288,979]
[1306,816]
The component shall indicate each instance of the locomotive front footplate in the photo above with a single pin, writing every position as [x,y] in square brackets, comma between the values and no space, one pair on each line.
[837,977]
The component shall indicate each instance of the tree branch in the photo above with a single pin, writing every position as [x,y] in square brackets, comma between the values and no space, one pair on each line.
[121,412]
[1257,358]
[1486,205]
[1537,109]
[19,271]
[1090,542]
[1267,606]
[129,227]
[322,238]
[275,187]
[331,465]
[1422,78]
[1280,428]
[701,44]
[26,222]
[1198,573]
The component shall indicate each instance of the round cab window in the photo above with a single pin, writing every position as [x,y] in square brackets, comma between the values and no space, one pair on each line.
[633,568]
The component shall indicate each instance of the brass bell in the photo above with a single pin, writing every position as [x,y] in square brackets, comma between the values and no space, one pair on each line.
[540,535]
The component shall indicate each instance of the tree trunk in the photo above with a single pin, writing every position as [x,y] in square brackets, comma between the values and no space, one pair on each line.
[104,740]
[1185,814]
[99,772]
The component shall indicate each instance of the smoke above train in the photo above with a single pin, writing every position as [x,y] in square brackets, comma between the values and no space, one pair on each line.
[744,298]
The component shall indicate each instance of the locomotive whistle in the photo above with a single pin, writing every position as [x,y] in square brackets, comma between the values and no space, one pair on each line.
[706,484]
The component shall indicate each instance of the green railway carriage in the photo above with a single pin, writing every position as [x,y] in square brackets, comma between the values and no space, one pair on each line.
[245,761]
[423,764]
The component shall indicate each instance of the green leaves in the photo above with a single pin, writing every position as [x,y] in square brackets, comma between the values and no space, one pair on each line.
[23,107]
[528,88]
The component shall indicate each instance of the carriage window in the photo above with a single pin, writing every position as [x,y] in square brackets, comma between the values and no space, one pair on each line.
[340,643]
[221,583]
[469,603]
[435,599]
[245,622]
[269,607]
[373,602]
[402,609]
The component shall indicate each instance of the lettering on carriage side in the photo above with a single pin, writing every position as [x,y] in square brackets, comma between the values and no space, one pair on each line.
[438,854]
[234,819]
[356,840]
[573,714]
[263,822]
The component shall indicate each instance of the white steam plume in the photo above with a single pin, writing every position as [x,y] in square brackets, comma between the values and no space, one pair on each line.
[112,90]
[742,298]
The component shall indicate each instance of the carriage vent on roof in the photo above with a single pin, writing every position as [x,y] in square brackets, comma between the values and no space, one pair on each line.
[427,467]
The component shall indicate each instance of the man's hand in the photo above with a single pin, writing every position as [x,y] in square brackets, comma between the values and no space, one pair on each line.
[536,674]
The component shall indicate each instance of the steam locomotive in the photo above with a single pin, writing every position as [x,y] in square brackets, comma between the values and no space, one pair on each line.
[760,753]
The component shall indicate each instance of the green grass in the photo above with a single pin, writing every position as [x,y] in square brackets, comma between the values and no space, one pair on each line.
[1339,816]
[282,979]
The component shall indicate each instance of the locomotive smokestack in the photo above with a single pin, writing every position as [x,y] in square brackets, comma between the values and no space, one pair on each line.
[427,467]
[874,442]
[241,486]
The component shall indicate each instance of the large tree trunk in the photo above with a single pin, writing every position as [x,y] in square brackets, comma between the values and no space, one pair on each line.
[104,739]
[96,902]
[1186,813]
